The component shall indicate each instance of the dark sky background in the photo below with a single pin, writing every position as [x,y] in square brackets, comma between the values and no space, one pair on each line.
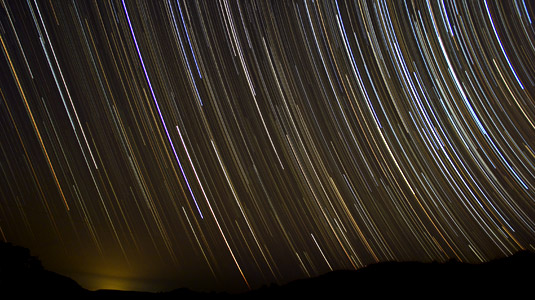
[221,145]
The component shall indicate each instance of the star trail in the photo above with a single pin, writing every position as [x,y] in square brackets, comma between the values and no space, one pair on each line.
[225,145]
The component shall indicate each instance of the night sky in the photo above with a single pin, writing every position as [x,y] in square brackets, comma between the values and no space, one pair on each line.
[225,145]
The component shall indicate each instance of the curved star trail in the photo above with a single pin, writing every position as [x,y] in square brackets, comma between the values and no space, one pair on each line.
[230,144]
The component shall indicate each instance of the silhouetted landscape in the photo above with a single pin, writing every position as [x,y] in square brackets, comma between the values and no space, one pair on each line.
[22,274]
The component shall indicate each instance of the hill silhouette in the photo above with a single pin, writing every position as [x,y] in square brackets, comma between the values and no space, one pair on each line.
[23,275]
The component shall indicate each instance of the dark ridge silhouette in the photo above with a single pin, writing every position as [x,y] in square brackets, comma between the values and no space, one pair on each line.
[23,275]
